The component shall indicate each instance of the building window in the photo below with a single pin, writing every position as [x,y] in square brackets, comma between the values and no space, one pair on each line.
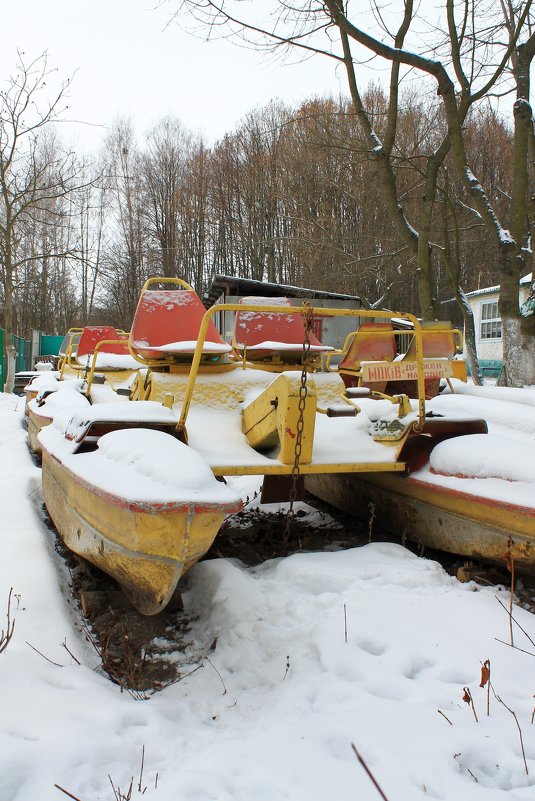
[491,324]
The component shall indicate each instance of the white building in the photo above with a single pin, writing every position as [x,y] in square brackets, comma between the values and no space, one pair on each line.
[488,324]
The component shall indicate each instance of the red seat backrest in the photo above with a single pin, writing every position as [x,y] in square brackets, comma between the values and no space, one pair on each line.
[439,344]
[438,341]
[93,334]
[253,328]
[170,316]
[373,342]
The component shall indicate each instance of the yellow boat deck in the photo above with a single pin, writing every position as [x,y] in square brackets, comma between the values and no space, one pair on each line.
[340,445]
[215,425]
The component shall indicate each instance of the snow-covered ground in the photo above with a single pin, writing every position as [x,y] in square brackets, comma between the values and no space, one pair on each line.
[314,654]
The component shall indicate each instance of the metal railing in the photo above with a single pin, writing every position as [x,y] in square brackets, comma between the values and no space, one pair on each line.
[317,312]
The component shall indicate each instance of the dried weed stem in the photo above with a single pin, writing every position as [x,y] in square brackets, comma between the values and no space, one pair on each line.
[5,636]
[369,773]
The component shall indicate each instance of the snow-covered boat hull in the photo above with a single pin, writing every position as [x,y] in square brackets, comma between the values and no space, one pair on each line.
[435,517]
[30,395]
[145,546]
[41,412]
[36,422]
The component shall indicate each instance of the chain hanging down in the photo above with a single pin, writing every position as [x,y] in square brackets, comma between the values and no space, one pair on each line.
[308,322]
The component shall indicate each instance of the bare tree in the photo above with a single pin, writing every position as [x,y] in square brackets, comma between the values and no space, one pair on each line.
[196,244]
[124,266]
[473,53]
[32,177]
[164,165]
[89,210]
[479,59]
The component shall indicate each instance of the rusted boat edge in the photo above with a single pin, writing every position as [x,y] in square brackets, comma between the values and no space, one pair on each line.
[435,517]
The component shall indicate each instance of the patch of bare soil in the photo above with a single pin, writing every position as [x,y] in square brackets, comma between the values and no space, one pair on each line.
[255,534]
[137,652]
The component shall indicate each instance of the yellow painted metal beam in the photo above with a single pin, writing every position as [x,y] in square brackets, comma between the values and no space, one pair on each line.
[308,469]
[272,418]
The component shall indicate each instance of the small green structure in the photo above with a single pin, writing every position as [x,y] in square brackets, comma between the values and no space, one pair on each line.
[49,345]
[28,353]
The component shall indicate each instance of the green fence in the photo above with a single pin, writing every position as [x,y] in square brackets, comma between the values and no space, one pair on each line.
[23,359]
[489,367]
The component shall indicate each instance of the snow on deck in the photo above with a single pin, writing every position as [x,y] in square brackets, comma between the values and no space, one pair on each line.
[110,361]
[509,417]
[68,394]
[145,466]
[229,389]
[72,421]
[288,347]
[486,466]
[522,395]
[184,346]
[64,395]
[474,456]
[218,436]
[217,433]
[39,381]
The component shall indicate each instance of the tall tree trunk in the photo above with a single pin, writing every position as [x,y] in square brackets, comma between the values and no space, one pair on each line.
[518,343]
[469,337]
[517,331]
[451,256]
[11,351]
[417,242]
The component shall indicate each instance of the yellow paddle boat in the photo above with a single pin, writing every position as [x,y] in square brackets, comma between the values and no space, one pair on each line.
[216,410]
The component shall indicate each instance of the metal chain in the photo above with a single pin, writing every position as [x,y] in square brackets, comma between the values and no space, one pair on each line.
[308,321]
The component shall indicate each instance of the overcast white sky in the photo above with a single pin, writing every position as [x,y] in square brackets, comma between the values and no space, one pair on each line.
[127,62]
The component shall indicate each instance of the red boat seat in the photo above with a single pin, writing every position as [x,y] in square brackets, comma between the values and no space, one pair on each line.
[92,335]
[373,342]
[438,341]
[265,334]
[167,322]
